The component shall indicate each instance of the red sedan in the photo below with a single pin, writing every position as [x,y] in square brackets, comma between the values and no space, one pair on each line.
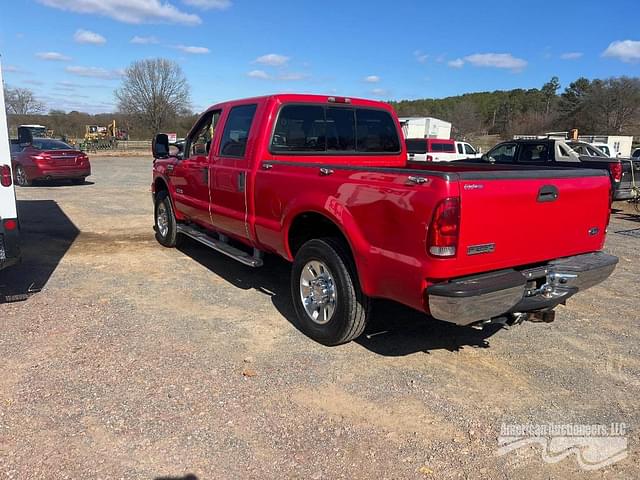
[48,159]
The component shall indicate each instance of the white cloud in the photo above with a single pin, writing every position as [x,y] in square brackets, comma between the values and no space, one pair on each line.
[192,50]
[209,4]
[380,92]
[292,76]
[128,11]
[420,56]
[496,60]
[372,79]
[571,55]
[457,63]
[94,72]
[284,77]
[272,60]
[53,56]
[87,36]
[143,40]
[261,74]
[627,51]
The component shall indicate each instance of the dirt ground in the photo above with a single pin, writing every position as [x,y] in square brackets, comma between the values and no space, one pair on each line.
[137,361]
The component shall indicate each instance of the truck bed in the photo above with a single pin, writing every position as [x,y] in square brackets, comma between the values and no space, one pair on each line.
[387,211]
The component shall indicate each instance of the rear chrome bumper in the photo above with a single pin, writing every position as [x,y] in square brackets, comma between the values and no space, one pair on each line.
[481,297]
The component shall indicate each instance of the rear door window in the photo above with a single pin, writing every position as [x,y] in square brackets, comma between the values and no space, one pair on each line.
[534,153]
[236,131]
[332,130]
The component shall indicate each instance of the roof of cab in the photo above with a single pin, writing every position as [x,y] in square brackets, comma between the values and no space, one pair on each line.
[303,98]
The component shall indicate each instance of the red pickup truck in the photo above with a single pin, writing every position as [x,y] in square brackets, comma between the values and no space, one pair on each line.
[324,182]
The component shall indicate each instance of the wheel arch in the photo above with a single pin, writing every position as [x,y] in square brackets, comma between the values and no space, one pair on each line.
[310,224]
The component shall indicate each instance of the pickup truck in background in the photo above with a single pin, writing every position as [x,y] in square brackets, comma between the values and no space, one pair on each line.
[466,150]
[438,150]
[547,152]
[324,182]
[9,226]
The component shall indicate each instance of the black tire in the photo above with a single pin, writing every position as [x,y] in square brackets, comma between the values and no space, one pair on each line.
[352,307]
[168,237]
[21,177]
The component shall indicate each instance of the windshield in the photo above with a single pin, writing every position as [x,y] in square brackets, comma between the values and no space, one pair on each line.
[48,144]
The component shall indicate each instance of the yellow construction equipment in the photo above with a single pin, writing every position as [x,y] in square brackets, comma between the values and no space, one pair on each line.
[98,137]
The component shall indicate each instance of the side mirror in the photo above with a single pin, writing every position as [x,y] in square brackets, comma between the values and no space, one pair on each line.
[25,137]
[488,158]
[160,146]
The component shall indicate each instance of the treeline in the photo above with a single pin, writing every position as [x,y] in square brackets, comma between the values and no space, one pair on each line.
[610,106]
[72,124]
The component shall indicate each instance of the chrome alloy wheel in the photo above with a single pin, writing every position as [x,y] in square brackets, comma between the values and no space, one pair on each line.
[21,177]
[162,219]
[318,291]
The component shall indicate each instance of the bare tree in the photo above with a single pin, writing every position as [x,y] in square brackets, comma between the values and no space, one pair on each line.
[155,90]
[22,101]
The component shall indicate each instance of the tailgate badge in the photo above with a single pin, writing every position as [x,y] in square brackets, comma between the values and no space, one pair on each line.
[481,248]
[473,186]
[594,231]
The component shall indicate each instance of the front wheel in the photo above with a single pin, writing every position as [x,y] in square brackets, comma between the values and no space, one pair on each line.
[165,221]
[329,303]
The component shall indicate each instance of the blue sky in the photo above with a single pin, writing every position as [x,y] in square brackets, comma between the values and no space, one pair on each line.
[71,52]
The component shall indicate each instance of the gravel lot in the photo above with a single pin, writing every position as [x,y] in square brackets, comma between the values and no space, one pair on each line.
[136,361]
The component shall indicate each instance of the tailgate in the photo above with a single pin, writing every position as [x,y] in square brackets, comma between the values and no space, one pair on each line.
[628,178]
[515,218]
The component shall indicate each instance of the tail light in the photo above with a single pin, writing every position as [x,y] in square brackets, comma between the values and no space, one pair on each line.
[429,158]
[5,176]
[442,239]
[41,158]
[10,224]
[616,171]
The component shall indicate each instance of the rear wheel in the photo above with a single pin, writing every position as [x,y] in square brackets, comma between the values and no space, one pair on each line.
[21,177]
[165,221]
[329,303]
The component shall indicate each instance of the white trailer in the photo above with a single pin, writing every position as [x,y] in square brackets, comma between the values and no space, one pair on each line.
[425,127]
[9,226]
[617,145]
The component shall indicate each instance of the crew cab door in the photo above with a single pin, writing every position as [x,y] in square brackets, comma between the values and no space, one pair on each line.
[230,168]
[190,175]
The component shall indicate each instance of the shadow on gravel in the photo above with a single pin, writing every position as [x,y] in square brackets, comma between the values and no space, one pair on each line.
[189,476]
[59,183]
[393,330]
[46,234]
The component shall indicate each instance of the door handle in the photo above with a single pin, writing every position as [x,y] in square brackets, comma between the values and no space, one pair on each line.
[548,193]
[242,177]
[325,171]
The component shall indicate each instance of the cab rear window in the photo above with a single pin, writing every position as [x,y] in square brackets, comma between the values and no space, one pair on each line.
[416,146]
[319,129]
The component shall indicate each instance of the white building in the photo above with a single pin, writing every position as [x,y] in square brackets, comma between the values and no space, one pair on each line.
[425,127]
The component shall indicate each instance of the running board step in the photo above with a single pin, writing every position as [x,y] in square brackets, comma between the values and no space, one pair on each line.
[222,247]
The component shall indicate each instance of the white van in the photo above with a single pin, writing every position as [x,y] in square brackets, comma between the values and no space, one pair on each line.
[9,226]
